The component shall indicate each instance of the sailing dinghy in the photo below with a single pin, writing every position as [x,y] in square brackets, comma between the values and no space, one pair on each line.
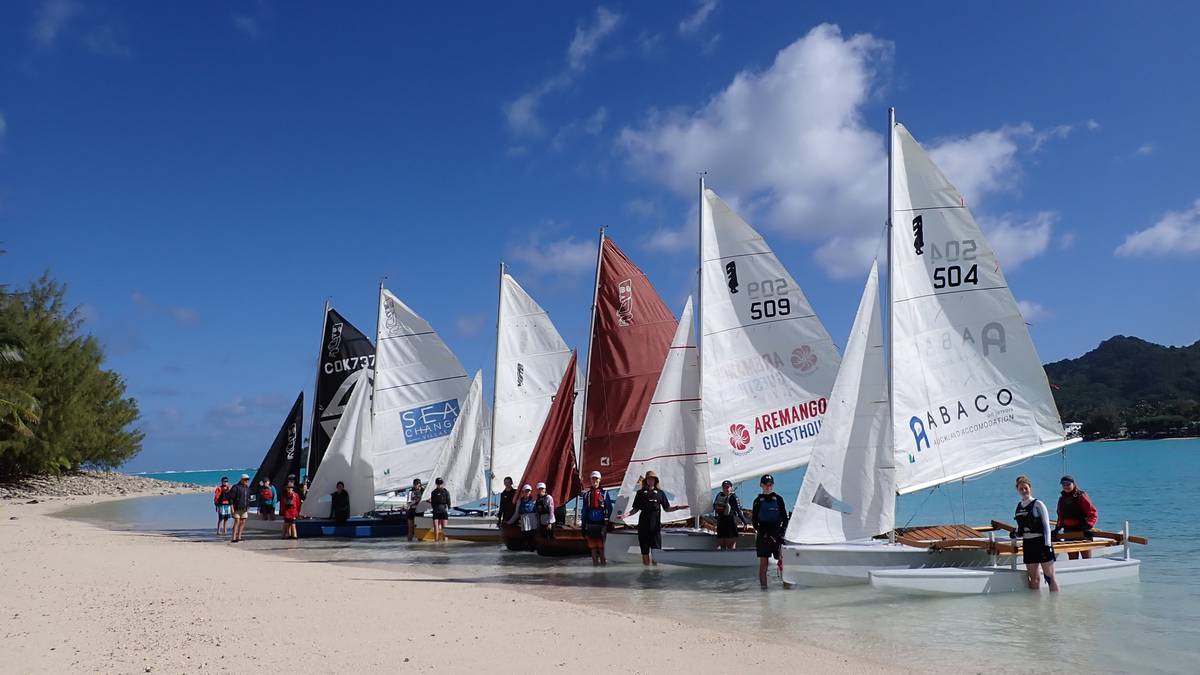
[960,393]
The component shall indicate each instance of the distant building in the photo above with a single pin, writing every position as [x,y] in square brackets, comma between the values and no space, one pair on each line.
[1073,429]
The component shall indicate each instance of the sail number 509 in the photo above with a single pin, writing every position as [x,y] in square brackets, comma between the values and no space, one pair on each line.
[775,301]
[952,276]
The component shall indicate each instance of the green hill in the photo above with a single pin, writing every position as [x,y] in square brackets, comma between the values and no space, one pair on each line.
[1126,381]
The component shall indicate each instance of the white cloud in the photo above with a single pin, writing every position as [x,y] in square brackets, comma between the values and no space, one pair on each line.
[595,124]
[1032,311]
[1066,240]
[560,256]
[692,22]
[711,46]
[181,314]
[184,314]
[849,257]
[1040,138]
[1092,125]
[1015,242]
[248,25]
[981,163]
[1176,233]
[1145,149]
[667,240]
[642,208]
[51,19]
[470,326]
[521,114]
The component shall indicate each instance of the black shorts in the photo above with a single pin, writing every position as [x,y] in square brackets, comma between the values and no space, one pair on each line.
[649,539]
[594,531]
[266,510]
[767,544]
[726,527]
[1034,550]
[440,513]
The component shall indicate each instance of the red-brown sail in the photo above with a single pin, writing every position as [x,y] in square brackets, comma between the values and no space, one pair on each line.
[633,331]
[553,459]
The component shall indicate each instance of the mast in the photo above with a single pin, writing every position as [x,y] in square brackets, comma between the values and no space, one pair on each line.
[495,385]
[890,307]
[699,309]
[587,378]
[316,383]
[378,345]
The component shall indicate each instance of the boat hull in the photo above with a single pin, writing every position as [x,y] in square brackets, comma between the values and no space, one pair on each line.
[566,542]
[687,547]
[999,579]
[355,528]
[479,529]
[852,562]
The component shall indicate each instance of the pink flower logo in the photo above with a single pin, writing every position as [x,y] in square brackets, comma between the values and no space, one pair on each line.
[739,437]
[804,359]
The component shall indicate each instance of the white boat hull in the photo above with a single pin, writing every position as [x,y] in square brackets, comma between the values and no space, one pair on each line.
[686,547]
[999,579]
[852,562]
[480,529]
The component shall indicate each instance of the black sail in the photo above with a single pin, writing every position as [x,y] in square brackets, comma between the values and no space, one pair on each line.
[283,457]
[345,354]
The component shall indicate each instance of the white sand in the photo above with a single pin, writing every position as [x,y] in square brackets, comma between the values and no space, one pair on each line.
[78,598]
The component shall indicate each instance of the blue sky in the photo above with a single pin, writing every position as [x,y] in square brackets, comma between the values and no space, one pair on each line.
[205,175]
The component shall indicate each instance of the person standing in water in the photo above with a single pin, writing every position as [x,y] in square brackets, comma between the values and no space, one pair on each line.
[289,509]
[729,513]
[650,501]
[223,506]
[525,516]
[339,508]
[596,508]
[1076,513]
[545,511]
[414,499]
[266,500]
[439,501]
[1033,529]
[508,502]
[770,517]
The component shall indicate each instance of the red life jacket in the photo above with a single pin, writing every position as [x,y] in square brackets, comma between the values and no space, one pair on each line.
[264,494]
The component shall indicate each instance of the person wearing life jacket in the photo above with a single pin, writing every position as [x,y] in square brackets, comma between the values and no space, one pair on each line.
[650,502]
[525,515]
[439,502]
[1076,513]
[769,517]
[414,499]
[266,500]
[339,504]
[223,504]
[545,511]
[508,502]
[289,509]
[595,509]
[1033,529]
[728,510]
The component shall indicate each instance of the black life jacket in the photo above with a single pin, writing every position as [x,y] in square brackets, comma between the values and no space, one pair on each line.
[1029,518]
[225,499]
[723,504]
[543,506]
[440,497]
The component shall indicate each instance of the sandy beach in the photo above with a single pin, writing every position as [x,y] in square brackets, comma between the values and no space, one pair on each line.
[80,598]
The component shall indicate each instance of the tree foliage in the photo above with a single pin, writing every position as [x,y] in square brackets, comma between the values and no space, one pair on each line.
[81,416]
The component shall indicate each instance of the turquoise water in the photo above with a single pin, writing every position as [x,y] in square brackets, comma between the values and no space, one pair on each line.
[199,477]
[1151,626]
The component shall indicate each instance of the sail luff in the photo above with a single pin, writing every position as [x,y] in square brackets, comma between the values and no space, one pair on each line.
[316,385]
[587,372]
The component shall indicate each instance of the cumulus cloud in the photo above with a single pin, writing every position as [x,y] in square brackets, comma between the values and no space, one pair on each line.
[1032,311]
[1176,233]
[51,20]
[1092,125]
[983,162]
[1016,241]
[558,256]
[692,22]
[521,114]
[1145,149]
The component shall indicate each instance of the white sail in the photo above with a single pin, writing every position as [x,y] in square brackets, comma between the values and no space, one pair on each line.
[769,364]
[970,392]
[849,487]
[462,460]
[530,359]
[349,459]
[671,443]
[419,390]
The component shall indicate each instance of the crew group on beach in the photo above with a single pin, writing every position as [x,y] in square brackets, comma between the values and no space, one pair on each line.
[535,514]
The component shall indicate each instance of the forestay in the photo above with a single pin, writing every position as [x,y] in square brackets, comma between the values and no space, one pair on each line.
[671,443]
[849,487]
[461,462]
[768,363]
[970,391]
[419,389]
[349,458]
[530,360]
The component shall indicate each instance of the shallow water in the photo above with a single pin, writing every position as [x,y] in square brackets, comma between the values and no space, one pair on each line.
[1151,626]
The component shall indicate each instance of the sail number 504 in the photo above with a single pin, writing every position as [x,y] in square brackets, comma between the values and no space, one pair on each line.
[953,276]
[774,301]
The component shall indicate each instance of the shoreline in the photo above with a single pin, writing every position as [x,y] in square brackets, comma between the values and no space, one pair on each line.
[175,611]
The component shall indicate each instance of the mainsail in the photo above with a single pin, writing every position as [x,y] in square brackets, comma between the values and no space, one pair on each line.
[632,330]
[345,355]
[849,487]
[553,458]
[461,463]
[768,363]
[349,459]
[530,359]
[419,390]
[671,443]
[283,457]
[970,392]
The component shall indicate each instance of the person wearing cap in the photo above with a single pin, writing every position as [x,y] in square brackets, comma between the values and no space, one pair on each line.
[508,502]
[239,496]
[289,509]
[770,517]
[266,499]
[729,512]
[414,500]
[339,504]
[1077,515]
[525,514]
[545,512]
[650,501]
[596,508]
[439,501]
[223,506]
